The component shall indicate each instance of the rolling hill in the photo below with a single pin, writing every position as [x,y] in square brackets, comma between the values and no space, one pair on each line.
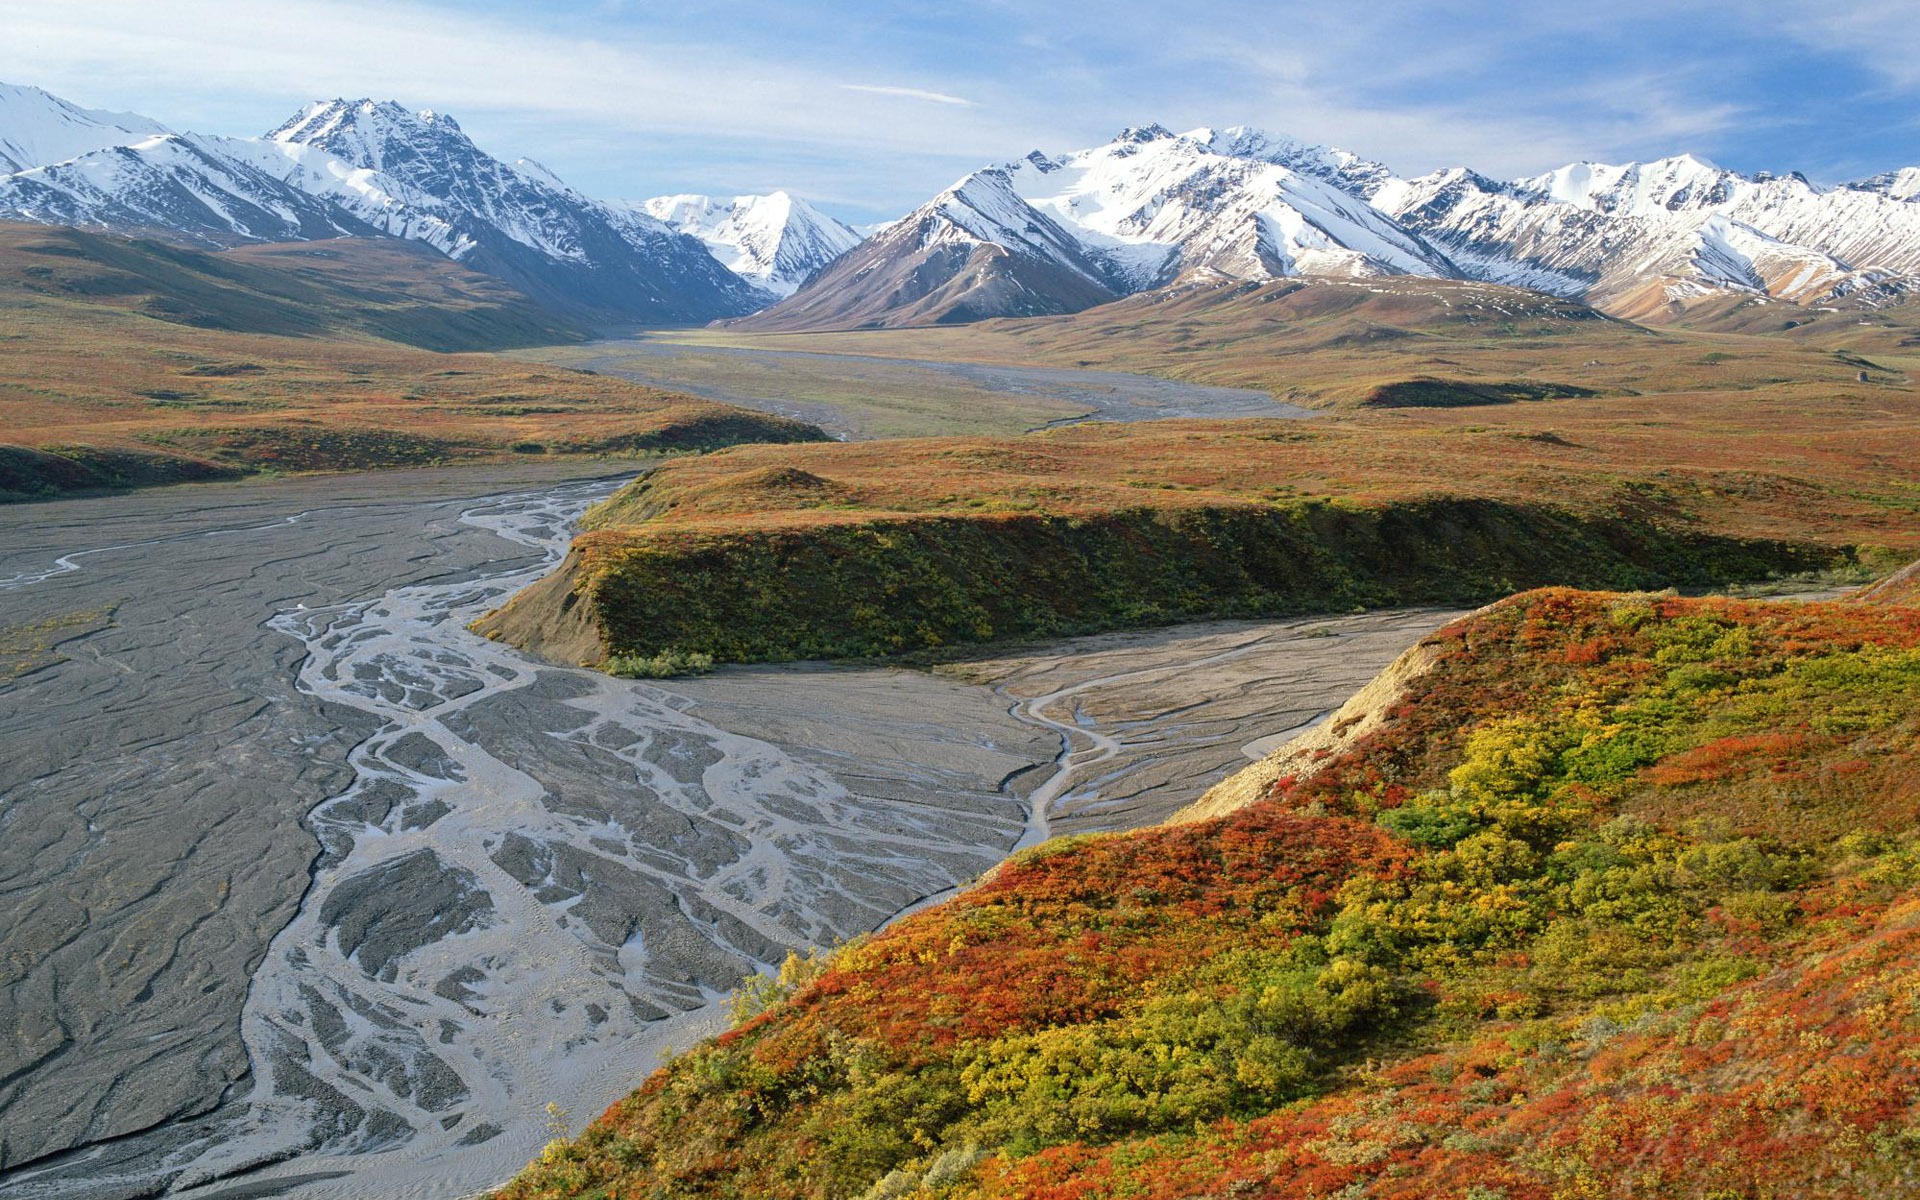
[132,362]
[1619,898]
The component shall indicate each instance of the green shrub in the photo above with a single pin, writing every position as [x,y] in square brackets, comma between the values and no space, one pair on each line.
[665,665]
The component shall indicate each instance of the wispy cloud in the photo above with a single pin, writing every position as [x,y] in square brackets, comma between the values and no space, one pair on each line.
[519,85]
[1885,33]
[907,93]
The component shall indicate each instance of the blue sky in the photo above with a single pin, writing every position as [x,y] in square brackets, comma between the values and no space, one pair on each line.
[869,108]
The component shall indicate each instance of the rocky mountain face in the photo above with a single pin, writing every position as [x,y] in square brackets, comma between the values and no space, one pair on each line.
[177,187]
[1051,234]
[977,250]
[776,241]
[516,222]
[366,168]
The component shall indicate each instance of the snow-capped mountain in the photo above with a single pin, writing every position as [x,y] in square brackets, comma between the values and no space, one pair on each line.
[419,175]
[1901,185]
[1633,237]
[774,241]
[1038,235]
[1050,234]
[1056,234]
[38,129]
[1342,167]
[182,187]
[361,168]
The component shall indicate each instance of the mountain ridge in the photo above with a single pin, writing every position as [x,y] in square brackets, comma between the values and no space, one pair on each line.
[775,241]
[1043,234]
[1152,207]
[372,168]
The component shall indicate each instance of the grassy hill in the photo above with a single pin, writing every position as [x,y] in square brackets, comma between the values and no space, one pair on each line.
[869,548]
[1621,899]
[125,362]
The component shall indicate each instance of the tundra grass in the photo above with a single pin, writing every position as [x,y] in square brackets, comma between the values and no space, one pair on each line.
[124,364]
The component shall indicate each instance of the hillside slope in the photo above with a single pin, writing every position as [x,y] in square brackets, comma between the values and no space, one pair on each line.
[1621,899]
[131,362]
[392,290]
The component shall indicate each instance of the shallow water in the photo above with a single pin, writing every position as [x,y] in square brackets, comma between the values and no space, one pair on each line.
[530,878]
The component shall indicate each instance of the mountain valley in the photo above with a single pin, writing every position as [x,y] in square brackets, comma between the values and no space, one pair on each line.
[1076,692]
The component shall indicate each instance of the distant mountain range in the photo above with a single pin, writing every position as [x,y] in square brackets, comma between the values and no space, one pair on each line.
[774,242]
[373,169]
[1153,208]
[1044,234]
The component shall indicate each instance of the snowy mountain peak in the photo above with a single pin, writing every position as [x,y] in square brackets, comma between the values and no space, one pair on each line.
[775,241]
[1055,233]
[1344,168]
[38,129]
[536,170]
[1639,238]
[1903,184]
[375,134]
[361,168]
[1683,181]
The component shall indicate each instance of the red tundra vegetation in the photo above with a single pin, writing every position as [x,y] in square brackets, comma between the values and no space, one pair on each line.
[1622,900]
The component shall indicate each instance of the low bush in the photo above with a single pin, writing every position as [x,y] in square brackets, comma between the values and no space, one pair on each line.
[665,665]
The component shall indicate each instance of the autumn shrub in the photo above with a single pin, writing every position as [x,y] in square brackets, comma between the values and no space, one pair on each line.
[884,585]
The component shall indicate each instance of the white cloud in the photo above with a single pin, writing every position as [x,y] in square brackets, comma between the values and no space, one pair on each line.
[906,92]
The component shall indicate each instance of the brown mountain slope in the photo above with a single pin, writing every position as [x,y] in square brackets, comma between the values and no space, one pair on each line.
[126,363]
[908,276]
[398,291]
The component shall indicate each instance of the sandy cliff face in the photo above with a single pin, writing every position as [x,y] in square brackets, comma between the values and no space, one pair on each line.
[1366,711]
[551,619]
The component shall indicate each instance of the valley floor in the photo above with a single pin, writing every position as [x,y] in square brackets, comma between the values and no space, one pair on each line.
[856,396]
